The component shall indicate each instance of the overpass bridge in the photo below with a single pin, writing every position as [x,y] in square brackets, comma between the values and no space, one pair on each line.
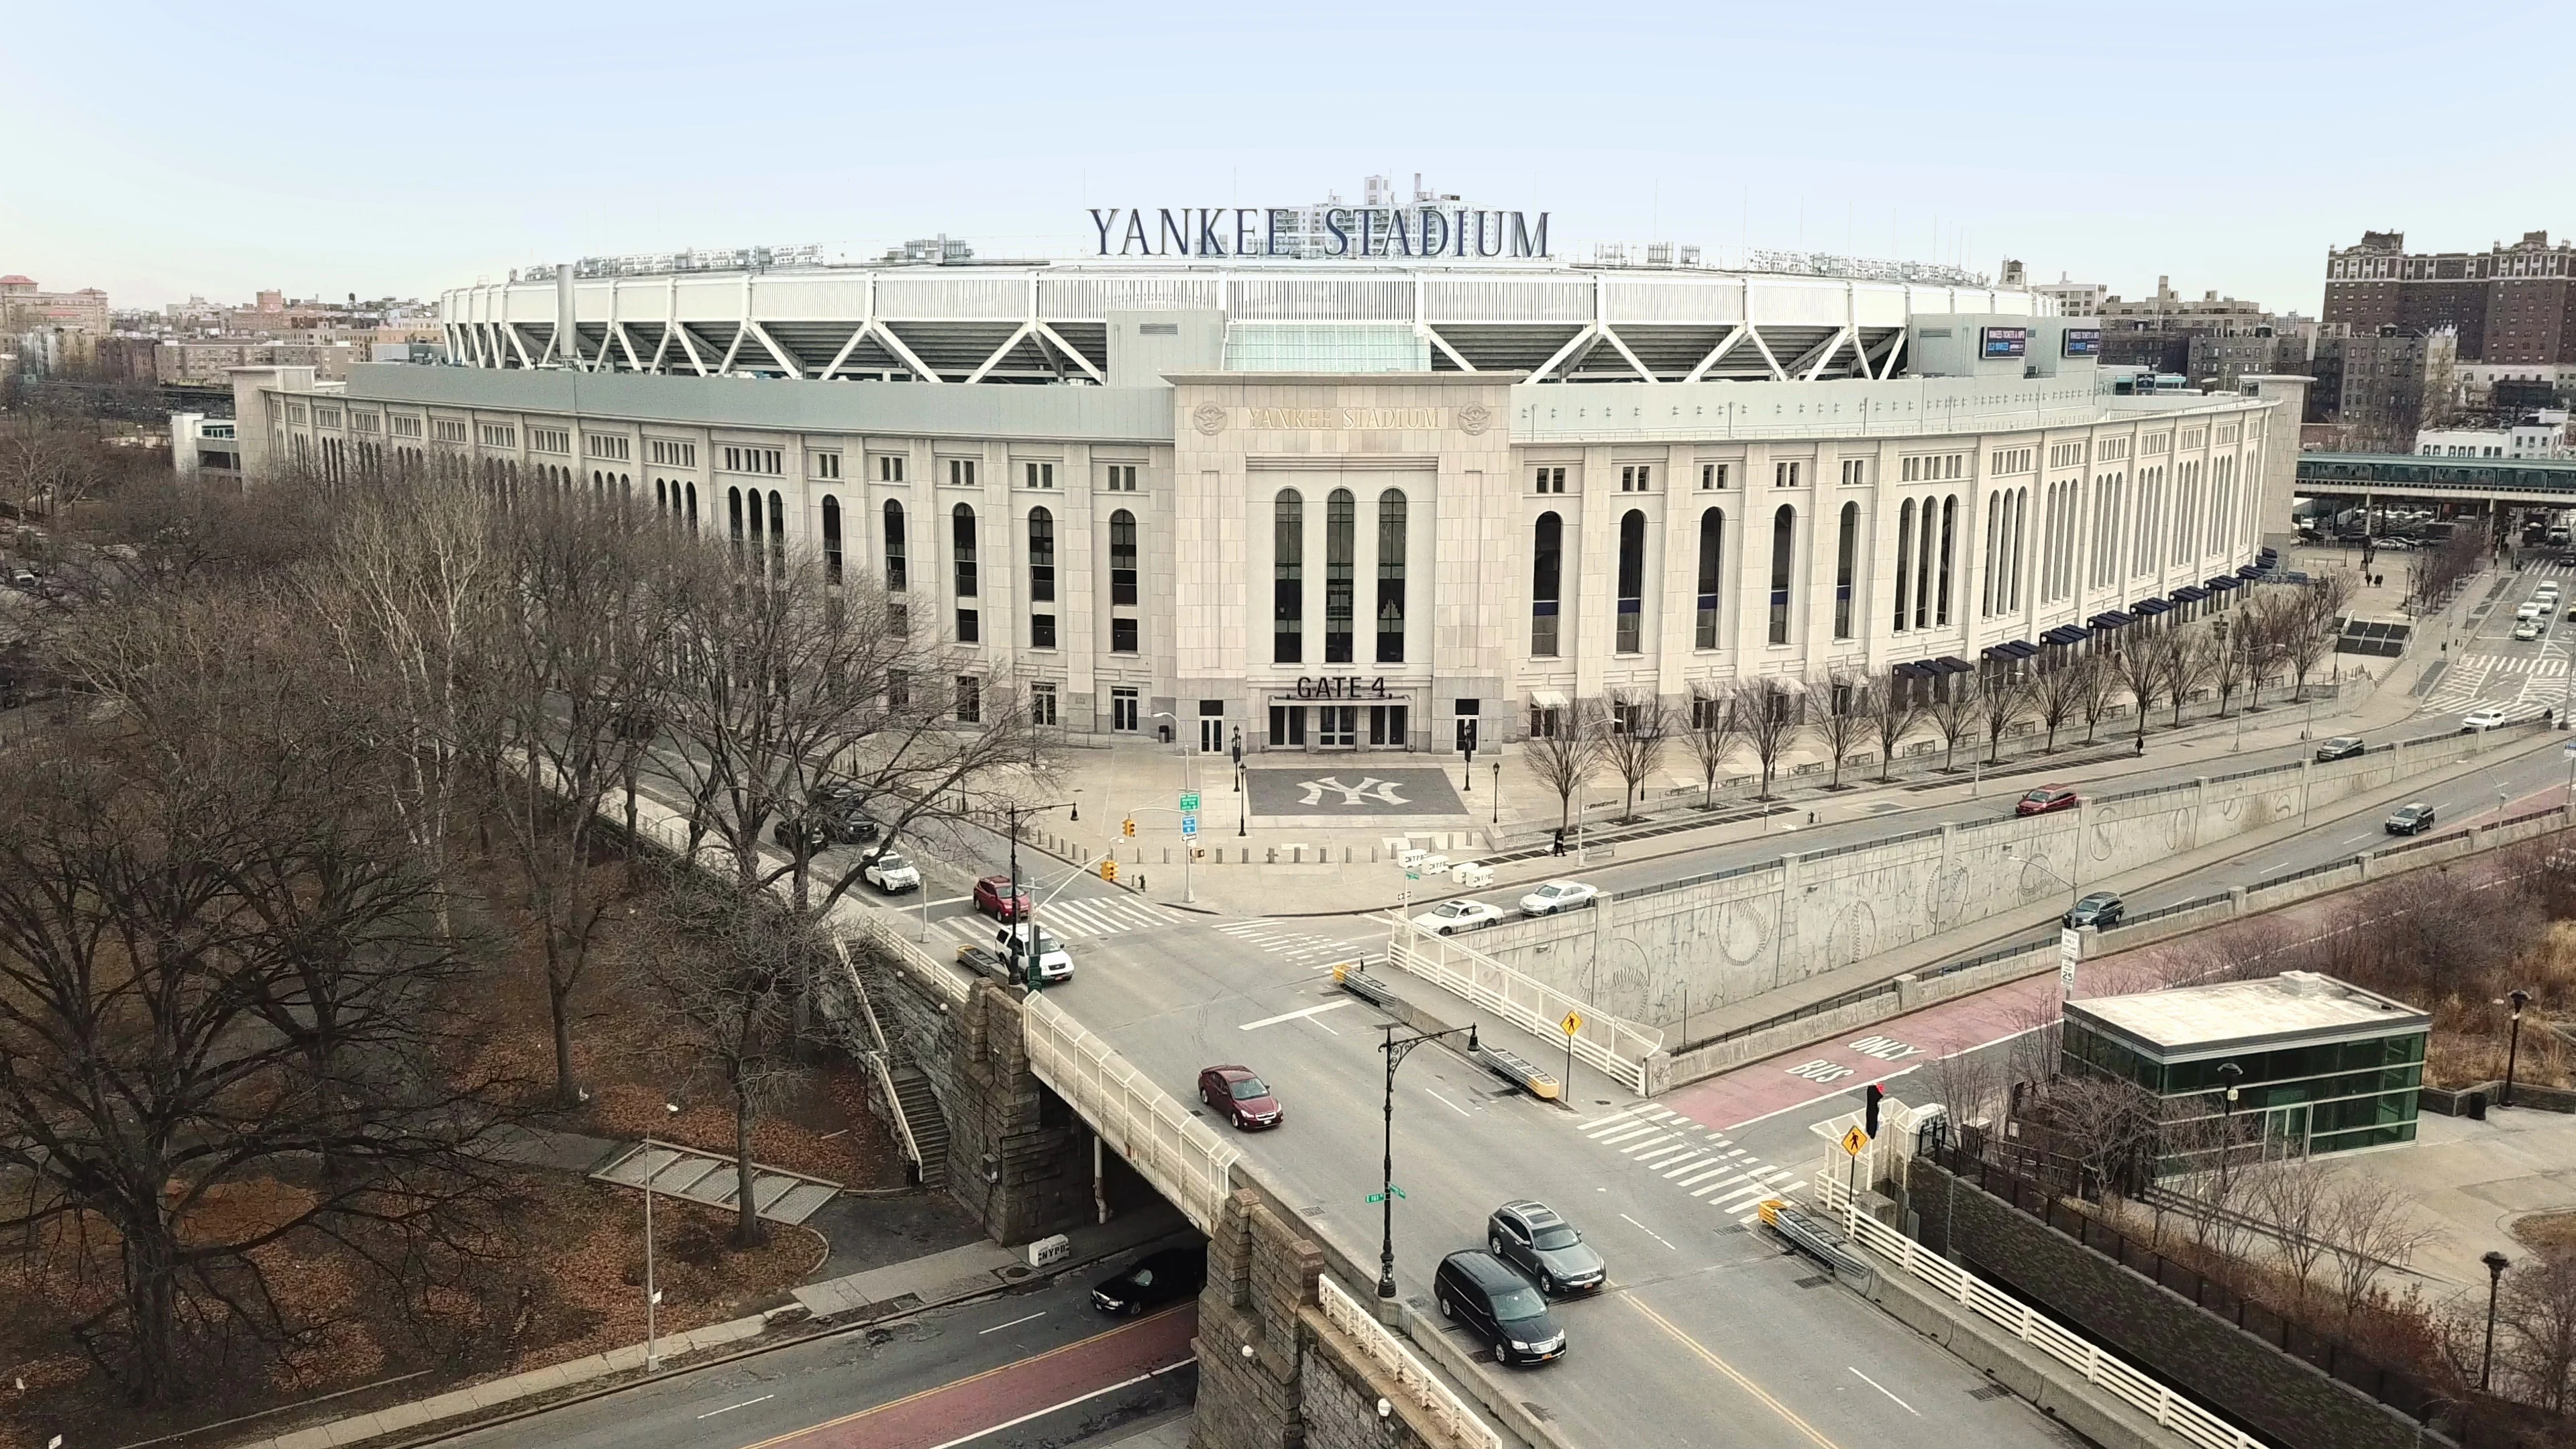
[2546,482]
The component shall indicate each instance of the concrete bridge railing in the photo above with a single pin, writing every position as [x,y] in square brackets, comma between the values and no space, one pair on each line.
[1621,1050]
[1180,1155]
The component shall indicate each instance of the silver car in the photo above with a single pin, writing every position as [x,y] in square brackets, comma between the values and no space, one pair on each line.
[1558,895]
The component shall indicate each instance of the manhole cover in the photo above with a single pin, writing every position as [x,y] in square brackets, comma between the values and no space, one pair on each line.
[1814,1281]
[1016,1270]
[1990,1391]
[1311,1210]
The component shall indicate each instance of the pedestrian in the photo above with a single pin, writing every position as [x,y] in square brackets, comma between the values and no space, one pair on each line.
[2142,745]
[1557,846]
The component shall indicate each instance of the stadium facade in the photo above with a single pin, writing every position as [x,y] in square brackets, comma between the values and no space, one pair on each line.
[1361,502]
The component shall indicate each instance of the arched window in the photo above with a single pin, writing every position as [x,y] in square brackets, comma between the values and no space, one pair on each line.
[1287,577]
[1340,551]
[1390,576]
[1846,563]
[961,548]
[693,508]
[1784,560]
[831,539]
[1632,584]
[1122,560]
[1949,553]
[777,533]
[1904,560]
[896,580]
[661,496]
[733,514]
[1547,581]
[1712,574]
[1041,556]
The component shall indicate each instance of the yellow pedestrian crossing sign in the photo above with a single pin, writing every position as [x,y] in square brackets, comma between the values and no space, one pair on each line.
[1853,1141]
[1573,1022]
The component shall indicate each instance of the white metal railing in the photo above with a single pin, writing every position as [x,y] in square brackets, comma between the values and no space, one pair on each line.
[1615,1047]
[1180,1155]
[2171,1411]
[1420,1384]
[858,922]
[880,1058]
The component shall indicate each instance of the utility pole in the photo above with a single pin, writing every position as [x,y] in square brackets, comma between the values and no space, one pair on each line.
[1397,1049]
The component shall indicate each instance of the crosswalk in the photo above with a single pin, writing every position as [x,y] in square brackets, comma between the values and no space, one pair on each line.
[1701,1161]
[1070,920]
[1297,943]
[2502,679]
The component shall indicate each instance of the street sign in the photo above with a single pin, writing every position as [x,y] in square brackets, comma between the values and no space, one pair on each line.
[1853,1141]
[1378,1197]
[1189,802]
[1189,827]
[1573,1022]
[2070,949]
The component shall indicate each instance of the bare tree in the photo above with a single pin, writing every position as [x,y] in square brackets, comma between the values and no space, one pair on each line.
[2308,632]
[1640,724]
[2097,684]
[2057,692]
[2189,665]
[1768,708]
[1564,759]
[1714,734]
[2540,1308]
[2291,1197]
[2370,1228]
[1846,720]
[1895,708]
[2231,659]
[2009,704]
[1958,706]
[729,966]
[2140,668]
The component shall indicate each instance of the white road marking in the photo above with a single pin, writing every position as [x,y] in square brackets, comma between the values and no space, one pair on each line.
[1624,1131]
[1445,1102]
[1882,1388]
[1662,1155]
[1845,1092]
[1649,1232]
[1295,1015]
[1148,1375]
[729,1408]
[1622,1115]
[1727,1181]
[1014,1323]
[1642,1146]
[1682,1164]
[1706,1172]
[1756,1190]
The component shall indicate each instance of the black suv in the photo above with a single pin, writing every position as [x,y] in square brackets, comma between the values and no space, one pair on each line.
[2101,910]
[1531,1237]
[2341,747]
[1478,1289]
[1155,1279]
[2412,819]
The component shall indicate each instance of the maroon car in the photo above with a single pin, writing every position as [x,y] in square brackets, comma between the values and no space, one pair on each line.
[995,898]
[2045,799]
[1244,1098]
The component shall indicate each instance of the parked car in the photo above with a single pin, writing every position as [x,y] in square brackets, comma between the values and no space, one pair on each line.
[842,809]
[2412,819]
[892,874]
[23,579]
[2101,910]
[2478,721]
[1531,1237]
[2341,747]
[2571,616]
[1450,917]
[1238,1092]
[995,898]
[2526,631]
[1054,962]
[817,838]
[2530,611]
[1480,1290]
[1170,1276]
[1559,895]
[2045,799]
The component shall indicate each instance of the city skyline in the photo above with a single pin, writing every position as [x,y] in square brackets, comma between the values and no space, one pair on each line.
[581,131]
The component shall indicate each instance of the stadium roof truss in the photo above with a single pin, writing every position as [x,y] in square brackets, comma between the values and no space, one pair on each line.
[1050,323]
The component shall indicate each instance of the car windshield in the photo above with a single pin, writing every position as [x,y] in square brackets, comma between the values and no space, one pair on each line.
[1246,1089]
[2040,796]
[1558,1237]
[1142,1277]
[893,862]
[1454,908]
[1521,1302]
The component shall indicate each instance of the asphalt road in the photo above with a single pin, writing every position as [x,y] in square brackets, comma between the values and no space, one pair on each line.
[1026,1371]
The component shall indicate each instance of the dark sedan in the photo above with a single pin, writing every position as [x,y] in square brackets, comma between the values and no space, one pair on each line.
[2341,747]
[2045,799]
[2101,910]
[1170,1276]
[1242,1096]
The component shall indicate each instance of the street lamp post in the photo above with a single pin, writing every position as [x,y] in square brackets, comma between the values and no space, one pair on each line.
[652,1294]
[1397,1049]
[2513,1049]
[2496,1264]
[1242,804]
[2228,1075]
[1498,792]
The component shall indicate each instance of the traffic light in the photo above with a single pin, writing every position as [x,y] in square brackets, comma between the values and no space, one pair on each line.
[1128,827]
[1197,854]
[1869,1117]
[1109,870]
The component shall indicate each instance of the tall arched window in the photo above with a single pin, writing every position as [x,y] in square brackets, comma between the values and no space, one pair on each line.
[896,579]
[1122,560]
[1547,580]
[1288,578]
[1631,632]
[1949,553]
[661,496]
[1904,560]
[1846,564]
[693,508]
[733,513]
[831,539]
[961,557]
[1041,556]
[1784,562]
[1340,559]
[777,534]
[1712,574]
[1390,576]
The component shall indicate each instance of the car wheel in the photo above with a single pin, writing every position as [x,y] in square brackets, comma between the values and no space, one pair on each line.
[1547,1284]
[1448,1310]
[1494,1244]
[1502,1353]
[1444,930]
[1136,1309]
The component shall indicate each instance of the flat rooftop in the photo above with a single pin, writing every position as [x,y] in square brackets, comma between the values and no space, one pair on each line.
[2293,1008]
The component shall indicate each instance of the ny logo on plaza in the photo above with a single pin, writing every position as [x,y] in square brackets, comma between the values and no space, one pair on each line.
[1369,788]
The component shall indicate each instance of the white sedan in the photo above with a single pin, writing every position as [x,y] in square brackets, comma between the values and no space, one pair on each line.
[892,874]
[1459,915]
[2482,720]
[1558,895]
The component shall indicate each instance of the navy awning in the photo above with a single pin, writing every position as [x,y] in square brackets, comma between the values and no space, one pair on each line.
[1923,670]
[2066,634]
[1953,663]
[2190,594]
[2149,608]
[2019,648]
[2110,619]
[2249,572]
[2222,583]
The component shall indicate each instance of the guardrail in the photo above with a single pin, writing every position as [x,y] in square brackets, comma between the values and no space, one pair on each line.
[1420,1384]
[1180,1155]
[1618,1049]
[2107,1371]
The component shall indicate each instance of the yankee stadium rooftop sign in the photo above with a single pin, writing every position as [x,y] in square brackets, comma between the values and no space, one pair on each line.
[1348,231]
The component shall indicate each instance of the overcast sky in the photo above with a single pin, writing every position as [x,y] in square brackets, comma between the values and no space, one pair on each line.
[395,147]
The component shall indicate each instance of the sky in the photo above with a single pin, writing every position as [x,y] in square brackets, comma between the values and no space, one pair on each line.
[389,147]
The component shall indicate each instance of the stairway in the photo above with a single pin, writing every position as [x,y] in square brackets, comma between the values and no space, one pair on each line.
[929,1125]
[916,1107]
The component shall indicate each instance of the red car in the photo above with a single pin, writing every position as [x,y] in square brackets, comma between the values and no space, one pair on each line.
[1244,1098]
[2045,799]
[994,897]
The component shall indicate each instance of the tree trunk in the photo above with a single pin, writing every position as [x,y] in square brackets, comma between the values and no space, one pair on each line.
[559,1002]
[152,1311]
[746,1227]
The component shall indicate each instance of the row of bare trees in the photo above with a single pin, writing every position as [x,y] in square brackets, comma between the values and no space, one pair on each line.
[246,877]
